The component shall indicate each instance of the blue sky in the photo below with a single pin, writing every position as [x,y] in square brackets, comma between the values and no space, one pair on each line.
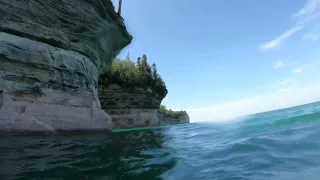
[225,58]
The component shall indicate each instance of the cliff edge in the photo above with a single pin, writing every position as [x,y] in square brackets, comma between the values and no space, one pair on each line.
[51,54]
[132,92]
[131,108]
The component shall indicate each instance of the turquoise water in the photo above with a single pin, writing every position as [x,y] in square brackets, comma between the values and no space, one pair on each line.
[283,144]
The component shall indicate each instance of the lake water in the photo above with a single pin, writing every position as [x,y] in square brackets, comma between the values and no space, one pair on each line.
[283,144]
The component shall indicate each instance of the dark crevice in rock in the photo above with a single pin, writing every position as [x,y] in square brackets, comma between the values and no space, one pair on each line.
[1,94]
[20,93]
[21,79]
[15,62]
[51,42]
[23,109]
[37,89]
[60,45]
[52,84]
[147,122]
[130,121]
[52,57]
[68,84]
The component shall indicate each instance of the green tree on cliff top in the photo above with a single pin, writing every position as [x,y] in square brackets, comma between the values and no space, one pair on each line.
[129,74]
[169,113]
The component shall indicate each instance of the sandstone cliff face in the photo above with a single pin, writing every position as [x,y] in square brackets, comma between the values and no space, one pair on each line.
[130,108]
[165,120]
[115,97]
[51,53]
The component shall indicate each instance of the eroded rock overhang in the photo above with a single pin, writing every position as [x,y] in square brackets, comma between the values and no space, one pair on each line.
[51,53]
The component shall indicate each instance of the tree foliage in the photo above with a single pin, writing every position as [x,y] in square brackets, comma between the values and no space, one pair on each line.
[169,113]
[129,74]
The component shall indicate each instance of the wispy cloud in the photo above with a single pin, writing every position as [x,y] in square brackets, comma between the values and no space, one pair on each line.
[314,34]
[311,36]
[298,70]
[278,64]
[287,89]
[288,82]
[308,14]
[275,42]
[310,11]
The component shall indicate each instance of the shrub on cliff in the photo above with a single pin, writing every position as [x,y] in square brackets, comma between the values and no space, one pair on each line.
[129,74]
[169,113]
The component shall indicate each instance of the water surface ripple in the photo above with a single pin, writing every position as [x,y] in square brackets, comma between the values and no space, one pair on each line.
[282,144]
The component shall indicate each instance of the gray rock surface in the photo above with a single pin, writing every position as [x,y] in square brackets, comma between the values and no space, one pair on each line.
[133,117]
[131,108]
[114,97]
[164,120]
[51,53]
[89,27]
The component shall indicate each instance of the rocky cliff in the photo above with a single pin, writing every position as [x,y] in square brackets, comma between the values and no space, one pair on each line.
[137,107]
[51,54]
[168,120]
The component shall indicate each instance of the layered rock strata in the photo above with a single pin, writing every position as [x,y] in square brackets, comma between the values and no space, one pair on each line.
[51,54]
[131,108]
[167,120]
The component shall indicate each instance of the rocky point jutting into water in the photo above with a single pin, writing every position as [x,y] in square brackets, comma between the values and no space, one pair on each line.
[136,107]
[51,54]
[131,93]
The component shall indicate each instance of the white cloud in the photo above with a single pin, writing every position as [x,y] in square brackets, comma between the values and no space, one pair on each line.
[278,64]
[287,89]
[286,97]
[298,70]
[309,12]
[288,81]
[313,34]
[275,42]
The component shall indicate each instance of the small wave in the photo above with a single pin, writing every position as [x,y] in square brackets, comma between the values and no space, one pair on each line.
[275,145]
